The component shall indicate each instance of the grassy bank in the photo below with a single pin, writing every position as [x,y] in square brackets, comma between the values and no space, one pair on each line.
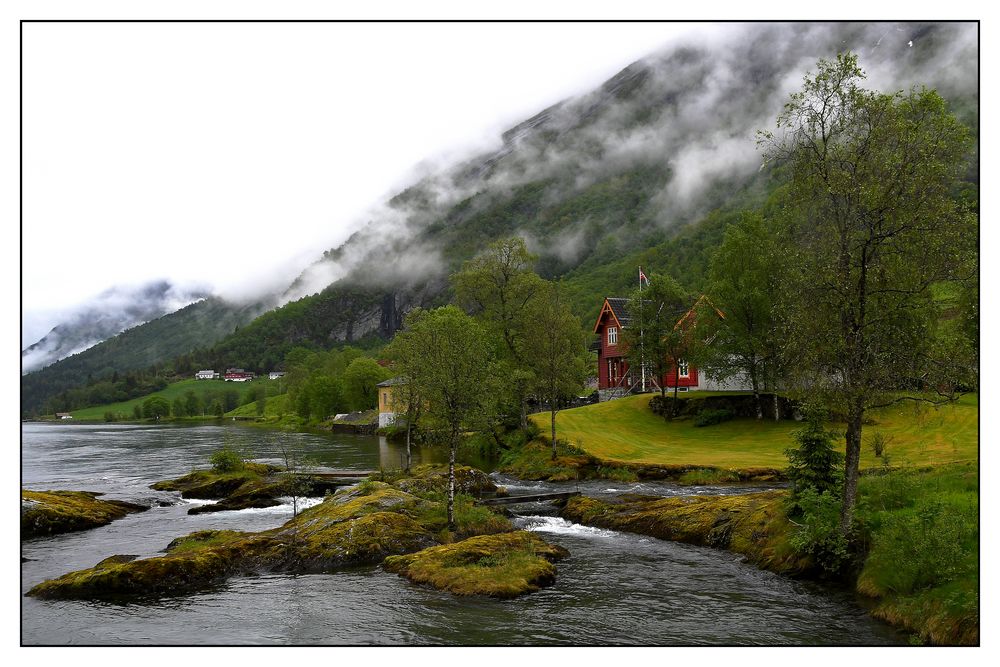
[627,431]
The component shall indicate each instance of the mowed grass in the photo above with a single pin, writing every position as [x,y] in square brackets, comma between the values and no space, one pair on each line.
[626,430]
[170,392]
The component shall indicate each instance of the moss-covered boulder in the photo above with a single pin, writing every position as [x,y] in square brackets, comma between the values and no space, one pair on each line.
[347,529]
[254,485]
[433,478]
[502,566]
[53,512]
[754,524]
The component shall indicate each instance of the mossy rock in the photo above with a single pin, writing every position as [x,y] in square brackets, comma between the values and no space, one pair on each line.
[754,524]
[347,529]
[54,512]
[432,478]
[501,566]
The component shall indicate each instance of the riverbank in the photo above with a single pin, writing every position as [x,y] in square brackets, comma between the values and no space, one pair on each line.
[919,540]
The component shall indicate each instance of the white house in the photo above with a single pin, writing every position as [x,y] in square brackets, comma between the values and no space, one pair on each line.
[274,375]
[206,375]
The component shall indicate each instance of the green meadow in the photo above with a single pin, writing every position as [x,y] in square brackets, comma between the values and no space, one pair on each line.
[626,430]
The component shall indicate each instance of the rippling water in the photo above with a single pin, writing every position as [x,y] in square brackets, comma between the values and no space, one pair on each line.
[615,588]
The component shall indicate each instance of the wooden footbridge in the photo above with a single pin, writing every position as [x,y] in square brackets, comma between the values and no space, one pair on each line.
[532,498]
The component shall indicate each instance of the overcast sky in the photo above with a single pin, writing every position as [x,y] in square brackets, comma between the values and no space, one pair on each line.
[232,155]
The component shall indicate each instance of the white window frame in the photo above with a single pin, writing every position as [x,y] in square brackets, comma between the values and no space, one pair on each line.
[612,335]
[683,370]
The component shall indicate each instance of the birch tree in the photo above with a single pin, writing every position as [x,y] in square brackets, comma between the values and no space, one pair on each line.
[874,227]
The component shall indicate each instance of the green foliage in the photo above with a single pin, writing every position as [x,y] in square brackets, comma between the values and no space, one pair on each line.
[710,417]
[360,383]
[817,515]
[706,476]
[814,464]
[226,459]
[872,223]
[746,282]
[155,407]
[110,416]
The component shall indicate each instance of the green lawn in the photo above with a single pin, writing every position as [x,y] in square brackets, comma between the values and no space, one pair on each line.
[626,430]
[170,392]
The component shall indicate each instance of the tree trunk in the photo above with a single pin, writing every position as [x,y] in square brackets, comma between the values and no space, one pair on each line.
[851,464]
[673,404]
[451,481]
[408,429]
[552,410]
[777,410]
[756,395]
[524,412]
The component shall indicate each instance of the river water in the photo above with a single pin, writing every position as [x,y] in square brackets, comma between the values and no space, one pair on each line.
[615,588]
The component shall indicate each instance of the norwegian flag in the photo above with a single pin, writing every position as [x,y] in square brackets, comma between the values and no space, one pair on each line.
[643,278]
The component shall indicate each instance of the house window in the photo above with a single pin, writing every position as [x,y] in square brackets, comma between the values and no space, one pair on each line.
[612,335]
[682,369]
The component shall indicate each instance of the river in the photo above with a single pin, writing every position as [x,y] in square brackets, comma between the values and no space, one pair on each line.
[615,588]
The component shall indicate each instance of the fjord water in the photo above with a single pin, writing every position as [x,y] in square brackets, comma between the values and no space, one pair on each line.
[615,588]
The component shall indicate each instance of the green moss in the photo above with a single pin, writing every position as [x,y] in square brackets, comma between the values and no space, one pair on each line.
[754,524]
[470,519]
[703,476]
[345,529]
[502,566]
[433,478]
[204,539]
[53,512]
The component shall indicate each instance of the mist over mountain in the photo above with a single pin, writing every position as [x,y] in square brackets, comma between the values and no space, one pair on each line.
[688,114]
[647,169]
[111,312]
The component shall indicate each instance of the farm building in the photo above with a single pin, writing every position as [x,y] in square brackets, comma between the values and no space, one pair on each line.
[206,375]
[238,375]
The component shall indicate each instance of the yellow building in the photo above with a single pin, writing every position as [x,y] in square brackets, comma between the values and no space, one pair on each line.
[388,403]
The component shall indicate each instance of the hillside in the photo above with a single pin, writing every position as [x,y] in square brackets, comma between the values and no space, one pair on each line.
[649,168]
[162,339]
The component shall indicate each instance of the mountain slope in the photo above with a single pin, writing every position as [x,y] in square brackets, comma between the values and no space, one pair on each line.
[647,169]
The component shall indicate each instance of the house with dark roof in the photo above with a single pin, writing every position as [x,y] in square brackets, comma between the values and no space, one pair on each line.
[614,376]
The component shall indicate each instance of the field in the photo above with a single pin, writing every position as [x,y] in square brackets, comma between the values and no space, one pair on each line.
[626,430]
[170,392]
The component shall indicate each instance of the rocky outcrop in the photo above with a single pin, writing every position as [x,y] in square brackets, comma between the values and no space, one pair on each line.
[53,512]
[501,566]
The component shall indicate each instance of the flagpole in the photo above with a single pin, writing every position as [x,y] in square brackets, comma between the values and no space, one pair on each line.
[642,340]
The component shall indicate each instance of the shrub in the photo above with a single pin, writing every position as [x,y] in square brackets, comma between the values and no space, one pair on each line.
[818,533]
[226,460]
[709,417]
[815,464]
[110,416]
[948,539]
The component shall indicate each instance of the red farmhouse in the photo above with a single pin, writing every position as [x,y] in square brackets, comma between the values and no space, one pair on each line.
[614,377]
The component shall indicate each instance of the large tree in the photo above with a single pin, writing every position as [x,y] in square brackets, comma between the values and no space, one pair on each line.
[555,350]
[745,284]
[875,227]
[361,380]
[499,288]
[451,363]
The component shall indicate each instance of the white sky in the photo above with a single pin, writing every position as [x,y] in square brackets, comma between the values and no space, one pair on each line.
[232,155]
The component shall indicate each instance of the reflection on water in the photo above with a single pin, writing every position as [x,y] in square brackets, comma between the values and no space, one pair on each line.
[615,588]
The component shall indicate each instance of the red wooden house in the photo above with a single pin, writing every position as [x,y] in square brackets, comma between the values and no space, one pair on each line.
[614,377]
